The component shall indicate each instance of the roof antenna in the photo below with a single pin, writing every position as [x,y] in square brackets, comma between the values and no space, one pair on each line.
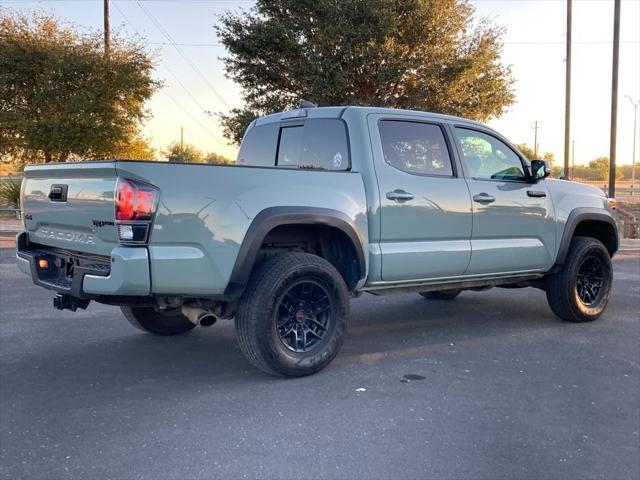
[306,104]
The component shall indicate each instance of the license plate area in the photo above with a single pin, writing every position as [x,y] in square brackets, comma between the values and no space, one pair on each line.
[61,270]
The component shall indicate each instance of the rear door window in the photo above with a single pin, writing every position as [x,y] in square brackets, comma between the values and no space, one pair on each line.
[415,147]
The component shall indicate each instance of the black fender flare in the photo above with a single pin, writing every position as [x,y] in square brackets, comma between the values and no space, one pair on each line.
[273,217]
[576,216]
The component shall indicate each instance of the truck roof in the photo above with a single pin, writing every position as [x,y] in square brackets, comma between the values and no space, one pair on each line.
[338,112]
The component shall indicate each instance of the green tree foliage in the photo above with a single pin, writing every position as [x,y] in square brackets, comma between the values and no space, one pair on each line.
[600,167]
[432,55]
[183,154]
[531,154]
[212,157]
[61,95]
[135,148]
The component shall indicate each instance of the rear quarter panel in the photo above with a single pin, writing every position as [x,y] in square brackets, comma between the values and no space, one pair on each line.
[205,211]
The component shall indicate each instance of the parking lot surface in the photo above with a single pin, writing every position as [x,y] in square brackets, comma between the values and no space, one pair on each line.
[490,385]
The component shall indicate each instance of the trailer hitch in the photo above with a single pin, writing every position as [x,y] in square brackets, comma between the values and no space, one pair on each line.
[67,302]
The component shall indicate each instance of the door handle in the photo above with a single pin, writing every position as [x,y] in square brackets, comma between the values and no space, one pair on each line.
[58,193]
[399,195]
[484,198]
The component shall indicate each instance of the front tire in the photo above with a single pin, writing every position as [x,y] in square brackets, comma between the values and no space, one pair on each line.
[292,317]
[148,319]
[580,291]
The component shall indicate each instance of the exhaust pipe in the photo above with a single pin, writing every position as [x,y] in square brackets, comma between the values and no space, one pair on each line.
[199,316]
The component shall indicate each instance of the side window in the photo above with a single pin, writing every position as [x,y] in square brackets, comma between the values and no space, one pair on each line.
[414,147]
[488,158]
[319,143]
[259,146]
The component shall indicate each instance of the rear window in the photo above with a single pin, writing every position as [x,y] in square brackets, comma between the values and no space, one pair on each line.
[259,146]
[316,143]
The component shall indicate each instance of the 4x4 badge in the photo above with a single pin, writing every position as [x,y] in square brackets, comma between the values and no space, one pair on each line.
[102,223]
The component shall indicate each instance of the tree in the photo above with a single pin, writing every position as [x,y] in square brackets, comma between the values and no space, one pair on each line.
[418,54]
[61,95]
[135,148]
[600,167]
[531,154]
[184,154]
[212,157]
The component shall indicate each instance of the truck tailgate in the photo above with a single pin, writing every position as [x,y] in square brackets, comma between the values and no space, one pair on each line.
[71,206]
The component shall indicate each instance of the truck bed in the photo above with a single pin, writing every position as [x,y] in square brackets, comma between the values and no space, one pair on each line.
[203,213]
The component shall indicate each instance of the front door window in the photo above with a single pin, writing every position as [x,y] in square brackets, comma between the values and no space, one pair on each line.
[488,158]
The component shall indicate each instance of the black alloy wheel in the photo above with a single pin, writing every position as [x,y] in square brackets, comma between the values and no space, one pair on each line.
[304,316]
[590,281]
[580,290]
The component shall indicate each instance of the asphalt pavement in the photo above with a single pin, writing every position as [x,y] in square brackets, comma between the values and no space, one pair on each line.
[488,386]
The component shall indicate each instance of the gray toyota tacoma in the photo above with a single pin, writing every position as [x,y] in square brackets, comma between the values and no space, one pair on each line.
[323,204]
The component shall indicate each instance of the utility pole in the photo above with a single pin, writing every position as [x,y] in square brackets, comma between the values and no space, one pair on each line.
[107,28]
[536,126]
[633,155]
[614,99]
[573,159]
[567,94]
[181,138]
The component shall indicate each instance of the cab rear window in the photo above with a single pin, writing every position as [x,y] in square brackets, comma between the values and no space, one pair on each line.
[315,144]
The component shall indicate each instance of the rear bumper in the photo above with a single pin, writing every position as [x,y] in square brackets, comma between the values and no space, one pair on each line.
[125,272]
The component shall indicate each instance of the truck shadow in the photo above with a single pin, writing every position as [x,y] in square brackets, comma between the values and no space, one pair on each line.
[98,351]
[105,352]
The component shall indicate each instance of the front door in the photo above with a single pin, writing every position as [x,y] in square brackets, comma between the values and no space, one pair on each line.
[513,228]
[425,212]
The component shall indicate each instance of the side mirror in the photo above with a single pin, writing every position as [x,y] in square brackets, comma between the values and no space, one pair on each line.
[540,169]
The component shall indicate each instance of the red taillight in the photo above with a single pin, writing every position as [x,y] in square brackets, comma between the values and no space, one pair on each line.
[134,201]
[125,198]
[146,201]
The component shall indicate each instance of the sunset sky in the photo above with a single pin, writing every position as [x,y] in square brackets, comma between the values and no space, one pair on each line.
[533,45]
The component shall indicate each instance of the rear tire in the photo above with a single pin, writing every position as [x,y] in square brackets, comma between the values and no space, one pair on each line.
[148,319]
[292,317]
[441,294]
[580,291]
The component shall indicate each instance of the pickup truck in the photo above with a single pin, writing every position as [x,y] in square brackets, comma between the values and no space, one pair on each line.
[322,204]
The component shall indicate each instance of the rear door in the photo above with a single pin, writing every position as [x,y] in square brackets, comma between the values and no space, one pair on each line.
[425,209]
[71,206]
[513,227]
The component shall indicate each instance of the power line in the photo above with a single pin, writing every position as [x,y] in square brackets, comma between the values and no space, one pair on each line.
[187,91]
[182,54]
[596,42]
[202,109]
[206,129]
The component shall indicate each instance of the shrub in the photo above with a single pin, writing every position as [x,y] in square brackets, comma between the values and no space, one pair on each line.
[10,192]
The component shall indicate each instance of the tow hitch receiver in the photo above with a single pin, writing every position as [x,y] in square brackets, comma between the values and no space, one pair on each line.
[67,302]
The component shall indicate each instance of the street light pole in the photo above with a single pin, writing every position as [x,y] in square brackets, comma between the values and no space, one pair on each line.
[633,155]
